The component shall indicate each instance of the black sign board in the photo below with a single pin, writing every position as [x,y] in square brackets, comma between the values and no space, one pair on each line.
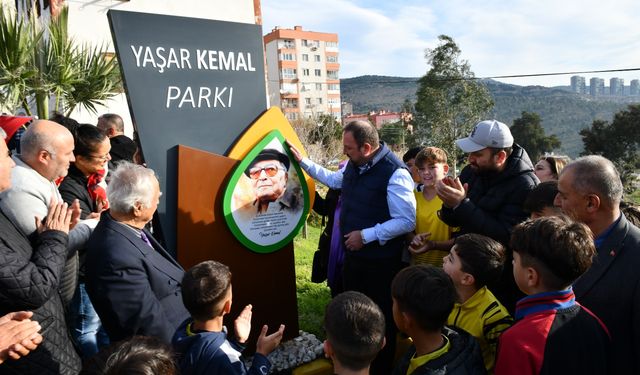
[189,81]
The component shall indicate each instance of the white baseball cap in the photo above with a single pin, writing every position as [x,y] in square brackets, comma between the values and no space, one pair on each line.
[488,133]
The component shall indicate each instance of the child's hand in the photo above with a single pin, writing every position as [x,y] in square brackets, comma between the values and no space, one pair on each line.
[267,344]
[420,244]
[242,324]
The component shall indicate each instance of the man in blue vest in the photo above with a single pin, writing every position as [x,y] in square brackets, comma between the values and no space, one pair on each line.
[378,209]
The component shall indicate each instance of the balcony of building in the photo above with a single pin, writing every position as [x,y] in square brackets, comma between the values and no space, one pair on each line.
[289,103]
[331,46]
[286,44]
[332,75]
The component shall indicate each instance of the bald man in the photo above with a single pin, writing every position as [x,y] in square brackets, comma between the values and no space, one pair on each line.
[46,151]
[30,271]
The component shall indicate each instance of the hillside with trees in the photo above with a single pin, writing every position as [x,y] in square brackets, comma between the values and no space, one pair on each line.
[562,113]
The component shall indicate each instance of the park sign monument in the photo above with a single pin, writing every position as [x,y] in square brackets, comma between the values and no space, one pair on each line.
[197,96]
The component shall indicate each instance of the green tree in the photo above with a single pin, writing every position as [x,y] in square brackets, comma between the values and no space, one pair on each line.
[38,62]
[617,141]
[393,134]
[529,133]
[449,99]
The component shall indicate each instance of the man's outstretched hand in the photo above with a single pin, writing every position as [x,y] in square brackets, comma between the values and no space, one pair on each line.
[295,152]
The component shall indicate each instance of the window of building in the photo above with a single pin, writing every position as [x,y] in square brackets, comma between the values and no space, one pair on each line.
[305,72]
[288,73]
[317,58]
[305,43]
[331,44]
[333,86]
[333,101]
[318,86]
[332,74]
[287,57]
[332,59]
[319,100]
[318,73]
[305,57]
[307,100]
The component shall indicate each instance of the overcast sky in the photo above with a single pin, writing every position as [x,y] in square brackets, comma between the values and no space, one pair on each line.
[382,37]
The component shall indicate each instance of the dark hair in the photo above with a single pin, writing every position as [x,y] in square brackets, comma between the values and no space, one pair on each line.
[65,121]
[363,132]
[87,138]
[426,293]
[204,287]
[495,150]
[411,153]
[558,248]
[481,257]
[355,329]
[541,196]
[138,355]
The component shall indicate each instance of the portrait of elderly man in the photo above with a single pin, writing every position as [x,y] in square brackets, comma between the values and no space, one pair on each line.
[132,281]
[269,176]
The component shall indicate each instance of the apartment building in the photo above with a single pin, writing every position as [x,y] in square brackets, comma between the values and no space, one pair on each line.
[616,86]
[303,72]
[578,85]
[596,86]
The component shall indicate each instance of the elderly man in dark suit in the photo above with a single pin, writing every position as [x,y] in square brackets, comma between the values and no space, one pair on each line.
[133,283]
[590,190]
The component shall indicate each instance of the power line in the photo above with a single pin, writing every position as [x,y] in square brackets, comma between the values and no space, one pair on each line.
[564,73]
[411,79]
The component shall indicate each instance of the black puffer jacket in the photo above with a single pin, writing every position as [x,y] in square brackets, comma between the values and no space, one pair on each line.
[73,187]
[494,203]
[29,278]
[463,358]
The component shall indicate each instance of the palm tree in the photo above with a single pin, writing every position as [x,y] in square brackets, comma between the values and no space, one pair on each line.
[39,62]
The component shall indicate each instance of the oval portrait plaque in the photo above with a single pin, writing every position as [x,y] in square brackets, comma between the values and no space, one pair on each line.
[267,199]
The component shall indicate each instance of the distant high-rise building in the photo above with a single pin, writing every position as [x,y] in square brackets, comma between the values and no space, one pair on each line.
[616,86]
[634,88]
[302,71]
[596,86]
[578,85]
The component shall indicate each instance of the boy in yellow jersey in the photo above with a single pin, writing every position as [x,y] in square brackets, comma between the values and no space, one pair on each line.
[473,262]
[432,238]
[423,297]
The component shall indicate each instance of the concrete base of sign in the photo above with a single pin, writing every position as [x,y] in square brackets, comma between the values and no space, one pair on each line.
[267,281]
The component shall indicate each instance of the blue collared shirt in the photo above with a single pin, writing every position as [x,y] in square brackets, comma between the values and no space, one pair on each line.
[400,198]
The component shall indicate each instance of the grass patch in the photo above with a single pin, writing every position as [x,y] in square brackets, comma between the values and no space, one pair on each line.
[634,197]
[312,297]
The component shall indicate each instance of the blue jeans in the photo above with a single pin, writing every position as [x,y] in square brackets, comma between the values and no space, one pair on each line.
[86,328]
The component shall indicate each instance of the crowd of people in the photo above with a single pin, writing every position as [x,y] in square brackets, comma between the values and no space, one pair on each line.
[507,268]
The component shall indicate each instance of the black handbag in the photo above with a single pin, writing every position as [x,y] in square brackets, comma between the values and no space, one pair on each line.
[321,259]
